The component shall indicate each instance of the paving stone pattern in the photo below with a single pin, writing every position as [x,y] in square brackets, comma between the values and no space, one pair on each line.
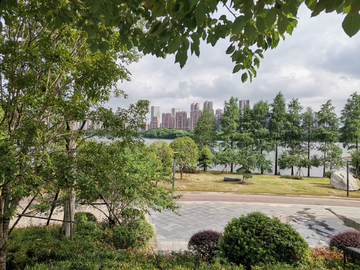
[316,224]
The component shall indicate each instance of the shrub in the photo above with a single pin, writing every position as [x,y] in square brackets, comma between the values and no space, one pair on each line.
[349,238]
[256,238]
[205,243]
[84,216]
[142,229]
[328,174]
[296,177]
[120,237]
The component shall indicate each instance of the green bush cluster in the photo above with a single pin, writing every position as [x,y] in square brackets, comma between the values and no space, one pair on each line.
[328,174]
[296,177]
[84,216]
[256,238]
[37,245]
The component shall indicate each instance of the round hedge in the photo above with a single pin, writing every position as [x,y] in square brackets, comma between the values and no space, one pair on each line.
[205,243]
[256,238]
[349,238]
[142,229]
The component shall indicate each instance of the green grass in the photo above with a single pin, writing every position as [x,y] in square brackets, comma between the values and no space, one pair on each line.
[272,184]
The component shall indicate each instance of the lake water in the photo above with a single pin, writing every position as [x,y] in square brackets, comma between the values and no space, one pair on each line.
[316,172]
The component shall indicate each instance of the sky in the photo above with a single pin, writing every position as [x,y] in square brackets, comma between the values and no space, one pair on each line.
[316,63]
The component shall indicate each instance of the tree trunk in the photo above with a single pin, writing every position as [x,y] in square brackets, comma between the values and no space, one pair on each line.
[308,167]
[262,168]
[292,170]
[69,206]
[4,223]
[324,165]
[276,159]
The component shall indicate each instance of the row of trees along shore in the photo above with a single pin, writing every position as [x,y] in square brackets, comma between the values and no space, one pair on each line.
[250,133]
[61,61]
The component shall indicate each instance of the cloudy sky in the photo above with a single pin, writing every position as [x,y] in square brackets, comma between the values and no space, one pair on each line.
[317,63]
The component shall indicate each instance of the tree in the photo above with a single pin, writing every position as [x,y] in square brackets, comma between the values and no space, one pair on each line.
[245,136]
[124,179]
[205,131]
[164,152]
[327,133]
[260,132]
[293,134]
[309,130]
[50,82]
[294,157]
[229,124]
[205,158]
[225,157]
[276,124]
[254,27]
[251,160]
[350,119]
[187,153]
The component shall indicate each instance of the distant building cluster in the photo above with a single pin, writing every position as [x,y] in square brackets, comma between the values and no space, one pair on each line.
[180,119]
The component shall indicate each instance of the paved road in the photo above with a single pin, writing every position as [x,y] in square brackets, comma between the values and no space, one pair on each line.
[316,219]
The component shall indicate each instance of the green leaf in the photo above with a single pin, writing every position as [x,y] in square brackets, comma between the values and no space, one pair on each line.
[260,24]
[200,14]
[95,5]
[320,6]
[282,24]
[230,49]
[250,32]
[174,45]
[181,58]
[310,4]
[237,68]
[94,47]
[238,25]
[270,17]
[351,24]
[244,77]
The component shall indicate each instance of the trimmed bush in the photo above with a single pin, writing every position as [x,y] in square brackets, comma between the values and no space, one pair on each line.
[256,238]
[142,229]
[296,177]
[84,216]
[349,238]
[205,243]
[121,237]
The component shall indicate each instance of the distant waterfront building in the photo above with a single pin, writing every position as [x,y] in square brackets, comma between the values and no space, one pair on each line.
[155,122]
[155,112]
[218,116]
[195,107]
[167,120]
[174,111]
[209,105]
[181,120]
[243,103]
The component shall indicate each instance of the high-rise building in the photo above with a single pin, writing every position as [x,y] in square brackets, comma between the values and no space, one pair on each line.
[155,111]
[209,105]
[195,107]
[174,111]
[243,103]
[218,116]
[181,120]
[155,122]
[167,120]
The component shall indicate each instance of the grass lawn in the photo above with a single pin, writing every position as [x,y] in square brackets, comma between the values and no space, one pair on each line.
[214,181]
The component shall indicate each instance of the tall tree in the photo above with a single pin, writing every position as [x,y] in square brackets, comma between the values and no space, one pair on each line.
[327,132]
[245,137]
[293,134]
[350,119]
[187,153]
[260,131]
[205,131]
[308,125]
[205,158]
[277,123]
[50,81]
[229,124]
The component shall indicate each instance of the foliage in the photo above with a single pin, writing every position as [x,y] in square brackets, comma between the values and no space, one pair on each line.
[224,157]
[120,237]
[124,179]
[296,177]
[205,131]
[187,153]
[330,258]
[247,176]
[349,238]
[143,230]
[167,133]
[355,162]
[205,243]
[84,216]
[251,159]
[309,133]
[165,153]
[294,157]
[350,117]
[328,174]
[229,124]
[256,238]
[276,123]
[205,158]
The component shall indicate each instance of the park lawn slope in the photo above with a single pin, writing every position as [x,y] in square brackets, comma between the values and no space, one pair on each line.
[272,184]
